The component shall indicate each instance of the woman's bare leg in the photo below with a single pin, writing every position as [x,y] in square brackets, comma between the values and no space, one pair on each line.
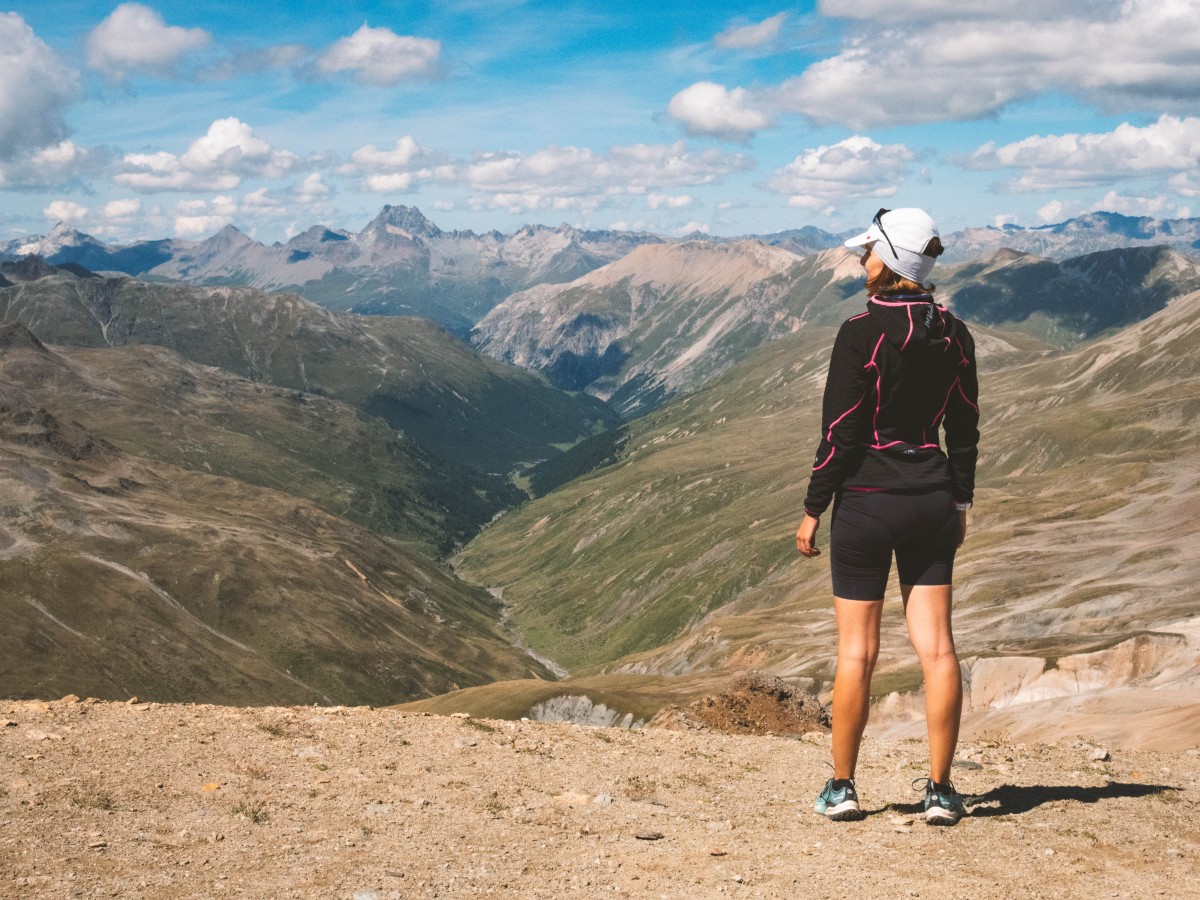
[858,649]
[927,609]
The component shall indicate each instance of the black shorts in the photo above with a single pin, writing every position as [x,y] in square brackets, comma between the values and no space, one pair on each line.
[868,526]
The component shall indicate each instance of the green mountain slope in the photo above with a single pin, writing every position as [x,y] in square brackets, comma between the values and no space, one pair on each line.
[679,557]
[463,408]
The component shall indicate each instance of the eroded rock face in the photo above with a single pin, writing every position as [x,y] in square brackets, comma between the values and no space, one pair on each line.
[580,710]
[754,703]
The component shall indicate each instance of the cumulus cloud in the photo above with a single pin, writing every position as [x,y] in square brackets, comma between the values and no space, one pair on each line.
[709,108]
[313,188]
[579,178]
[227,153]
[967,62]
[200,218]
[1159,206]
[36,87]
[851,169]
[122,211]
[401,168]
[65,211]
[1052,211]
[747,37]
[667,201]
[134,38]
[1170,145]
[379,56]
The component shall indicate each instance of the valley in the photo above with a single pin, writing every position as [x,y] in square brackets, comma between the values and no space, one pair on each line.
[225,494]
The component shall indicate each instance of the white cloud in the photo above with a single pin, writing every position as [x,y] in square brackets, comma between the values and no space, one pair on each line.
[1052,211]
[580,178]
[850,169]
[399,169]
[312,188]
[380,56]
[747,37]
[709,108]
[1185,184]
[64,211]
[1047,162]
[134,38]
[691,227]
[36,87]
[200,218]
[667,201]
[966,62]
[227,153]
[1159,206]
[122,210]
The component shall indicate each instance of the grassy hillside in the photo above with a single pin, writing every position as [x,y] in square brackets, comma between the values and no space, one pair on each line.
[680,557]
[463,408]
[150,402]
[121,575]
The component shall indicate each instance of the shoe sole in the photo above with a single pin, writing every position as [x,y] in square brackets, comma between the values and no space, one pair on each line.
[937,816]
[844,812]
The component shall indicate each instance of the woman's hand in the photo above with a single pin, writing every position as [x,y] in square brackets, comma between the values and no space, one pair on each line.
[806,536]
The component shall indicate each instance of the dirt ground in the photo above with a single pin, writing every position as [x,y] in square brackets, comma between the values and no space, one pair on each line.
[148,800]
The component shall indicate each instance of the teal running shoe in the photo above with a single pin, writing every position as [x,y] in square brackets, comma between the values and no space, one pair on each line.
[943,804]
[839,804]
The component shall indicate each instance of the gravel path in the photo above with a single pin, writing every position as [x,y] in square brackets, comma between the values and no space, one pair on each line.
[161,801]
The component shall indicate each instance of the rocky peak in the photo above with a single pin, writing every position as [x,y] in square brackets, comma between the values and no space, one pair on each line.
[408,219]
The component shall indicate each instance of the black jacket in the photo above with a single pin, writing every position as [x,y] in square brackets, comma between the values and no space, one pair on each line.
[898,372]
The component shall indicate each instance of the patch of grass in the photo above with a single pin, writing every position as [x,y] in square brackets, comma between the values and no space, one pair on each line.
[93,799]
[255,771]
[479,725]
[639,787]
[273,728]
[494,804]
[254,810]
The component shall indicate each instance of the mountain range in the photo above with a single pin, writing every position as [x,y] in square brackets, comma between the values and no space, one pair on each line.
[667,318]
[402,263]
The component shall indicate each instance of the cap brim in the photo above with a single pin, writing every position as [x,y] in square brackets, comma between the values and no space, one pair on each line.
[861,240]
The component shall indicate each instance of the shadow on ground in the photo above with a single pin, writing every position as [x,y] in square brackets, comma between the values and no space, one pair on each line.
[1014,799]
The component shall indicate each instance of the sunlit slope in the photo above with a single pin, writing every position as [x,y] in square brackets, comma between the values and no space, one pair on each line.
[122,576]
[665,318]
[464,408]
[684,550]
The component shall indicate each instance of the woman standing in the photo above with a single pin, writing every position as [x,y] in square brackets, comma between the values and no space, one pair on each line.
[898,373]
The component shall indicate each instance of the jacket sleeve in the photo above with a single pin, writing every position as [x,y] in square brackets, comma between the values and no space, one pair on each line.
[846,400]
[962,423]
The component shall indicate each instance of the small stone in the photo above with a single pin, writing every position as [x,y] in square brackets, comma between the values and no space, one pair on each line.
[460,715]
[1100,755]
[1174,853]
[738,878]
[8,723]
[378,809]
[716,851]
[603,800]
[1049,851]
[97,845]
[70,698]
[421,804]
[649,835]
[132,701]
[899,820]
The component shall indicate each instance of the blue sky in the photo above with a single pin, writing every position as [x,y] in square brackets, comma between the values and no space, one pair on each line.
[173,119]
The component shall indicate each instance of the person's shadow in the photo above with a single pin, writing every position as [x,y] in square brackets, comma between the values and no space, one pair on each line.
[1014,799]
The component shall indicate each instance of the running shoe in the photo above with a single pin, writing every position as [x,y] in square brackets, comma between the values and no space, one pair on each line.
[943,804]
[840,804]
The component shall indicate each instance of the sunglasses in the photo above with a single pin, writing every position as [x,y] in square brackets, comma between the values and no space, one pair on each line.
[878,221]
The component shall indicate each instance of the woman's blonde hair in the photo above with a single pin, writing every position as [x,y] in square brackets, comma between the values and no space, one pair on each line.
[888,282]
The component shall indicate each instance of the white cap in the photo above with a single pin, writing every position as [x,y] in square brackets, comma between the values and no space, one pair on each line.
[900,238]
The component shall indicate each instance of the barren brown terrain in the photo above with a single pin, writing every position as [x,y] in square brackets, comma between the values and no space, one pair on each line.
[156,800]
